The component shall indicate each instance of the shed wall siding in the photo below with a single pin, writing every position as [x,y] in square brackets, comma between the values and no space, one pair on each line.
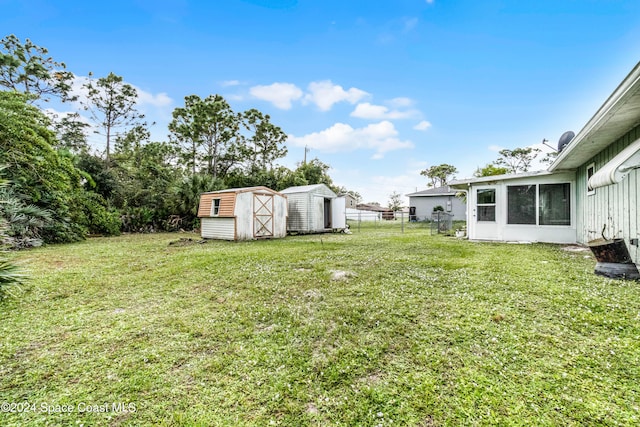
[227,204]
[244,216]
[306,208]
[280,214]
[218,228]
[317,212]
[298,212]
[614,206]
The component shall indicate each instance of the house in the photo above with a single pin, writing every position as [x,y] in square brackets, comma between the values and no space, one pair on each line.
[534,206]
[314,209]
[243,214]
[422,203]
[592,188]
[382,212]
[350,202]
[605,156]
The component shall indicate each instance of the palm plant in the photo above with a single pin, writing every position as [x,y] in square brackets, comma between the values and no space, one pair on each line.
[9,273]
[23,222]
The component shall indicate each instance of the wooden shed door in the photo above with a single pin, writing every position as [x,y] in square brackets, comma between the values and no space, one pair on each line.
[262,215]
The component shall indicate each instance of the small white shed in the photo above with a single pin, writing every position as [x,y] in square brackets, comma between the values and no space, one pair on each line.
[243,214]
[314,209]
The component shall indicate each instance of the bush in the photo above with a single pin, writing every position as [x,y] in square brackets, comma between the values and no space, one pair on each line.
[95,216]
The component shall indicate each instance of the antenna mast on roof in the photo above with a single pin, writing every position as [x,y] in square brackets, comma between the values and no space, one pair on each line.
[544,142]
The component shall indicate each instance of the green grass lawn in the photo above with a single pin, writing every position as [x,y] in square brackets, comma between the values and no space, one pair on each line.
[414,329]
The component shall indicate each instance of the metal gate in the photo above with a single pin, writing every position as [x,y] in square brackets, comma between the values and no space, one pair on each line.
[262,215]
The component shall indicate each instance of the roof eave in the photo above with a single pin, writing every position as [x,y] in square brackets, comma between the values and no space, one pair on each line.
[617,100]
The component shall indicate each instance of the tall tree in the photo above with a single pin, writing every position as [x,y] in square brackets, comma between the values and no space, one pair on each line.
[39,174]
[518,159]
[111,104]
[490,170]
[209,130]
[315,172]
[440,174]
[266,144]
[71,132]
[25,67]
[395,201]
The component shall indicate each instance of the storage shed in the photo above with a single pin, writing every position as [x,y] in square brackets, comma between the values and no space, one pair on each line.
[314,209]
[243,214]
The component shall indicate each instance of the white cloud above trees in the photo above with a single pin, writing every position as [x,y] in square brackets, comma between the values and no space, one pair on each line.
[379,137]
[280,95]
[324,94]
[366,110]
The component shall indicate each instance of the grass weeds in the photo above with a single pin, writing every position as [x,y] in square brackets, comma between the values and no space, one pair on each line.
[377,328]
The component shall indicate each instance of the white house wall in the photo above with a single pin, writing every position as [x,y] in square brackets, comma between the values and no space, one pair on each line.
[613,207]
[424,206]
[217,228]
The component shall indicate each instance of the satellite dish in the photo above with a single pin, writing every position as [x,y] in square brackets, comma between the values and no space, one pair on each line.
[565,139]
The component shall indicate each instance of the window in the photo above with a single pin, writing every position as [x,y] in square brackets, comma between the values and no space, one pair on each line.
[555,204]
[486,204]
[591,170]
[544,204]
[215,207]
[521,204]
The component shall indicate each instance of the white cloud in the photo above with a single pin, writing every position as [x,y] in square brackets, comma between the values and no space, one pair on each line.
[144,98]
[430,1]
[495,148]
[381,137]
[401,102]
[159,100]
[423,125]
[325,94]
[367,110]
[279,94]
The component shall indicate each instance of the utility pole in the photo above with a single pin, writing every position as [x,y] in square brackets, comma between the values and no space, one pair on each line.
[306,150]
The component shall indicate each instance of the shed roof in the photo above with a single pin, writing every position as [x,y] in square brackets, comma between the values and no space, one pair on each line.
[306,189]
[619,114]
[244,190]
[434,192]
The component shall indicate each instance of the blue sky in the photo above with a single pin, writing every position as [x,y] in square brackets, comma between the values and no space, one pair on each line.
[379,90]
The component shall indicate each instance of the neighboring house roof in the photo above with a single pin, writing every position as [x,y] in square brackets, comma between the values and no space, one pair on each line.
[434,192]
[619,114]
[373,208]
[463,183]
